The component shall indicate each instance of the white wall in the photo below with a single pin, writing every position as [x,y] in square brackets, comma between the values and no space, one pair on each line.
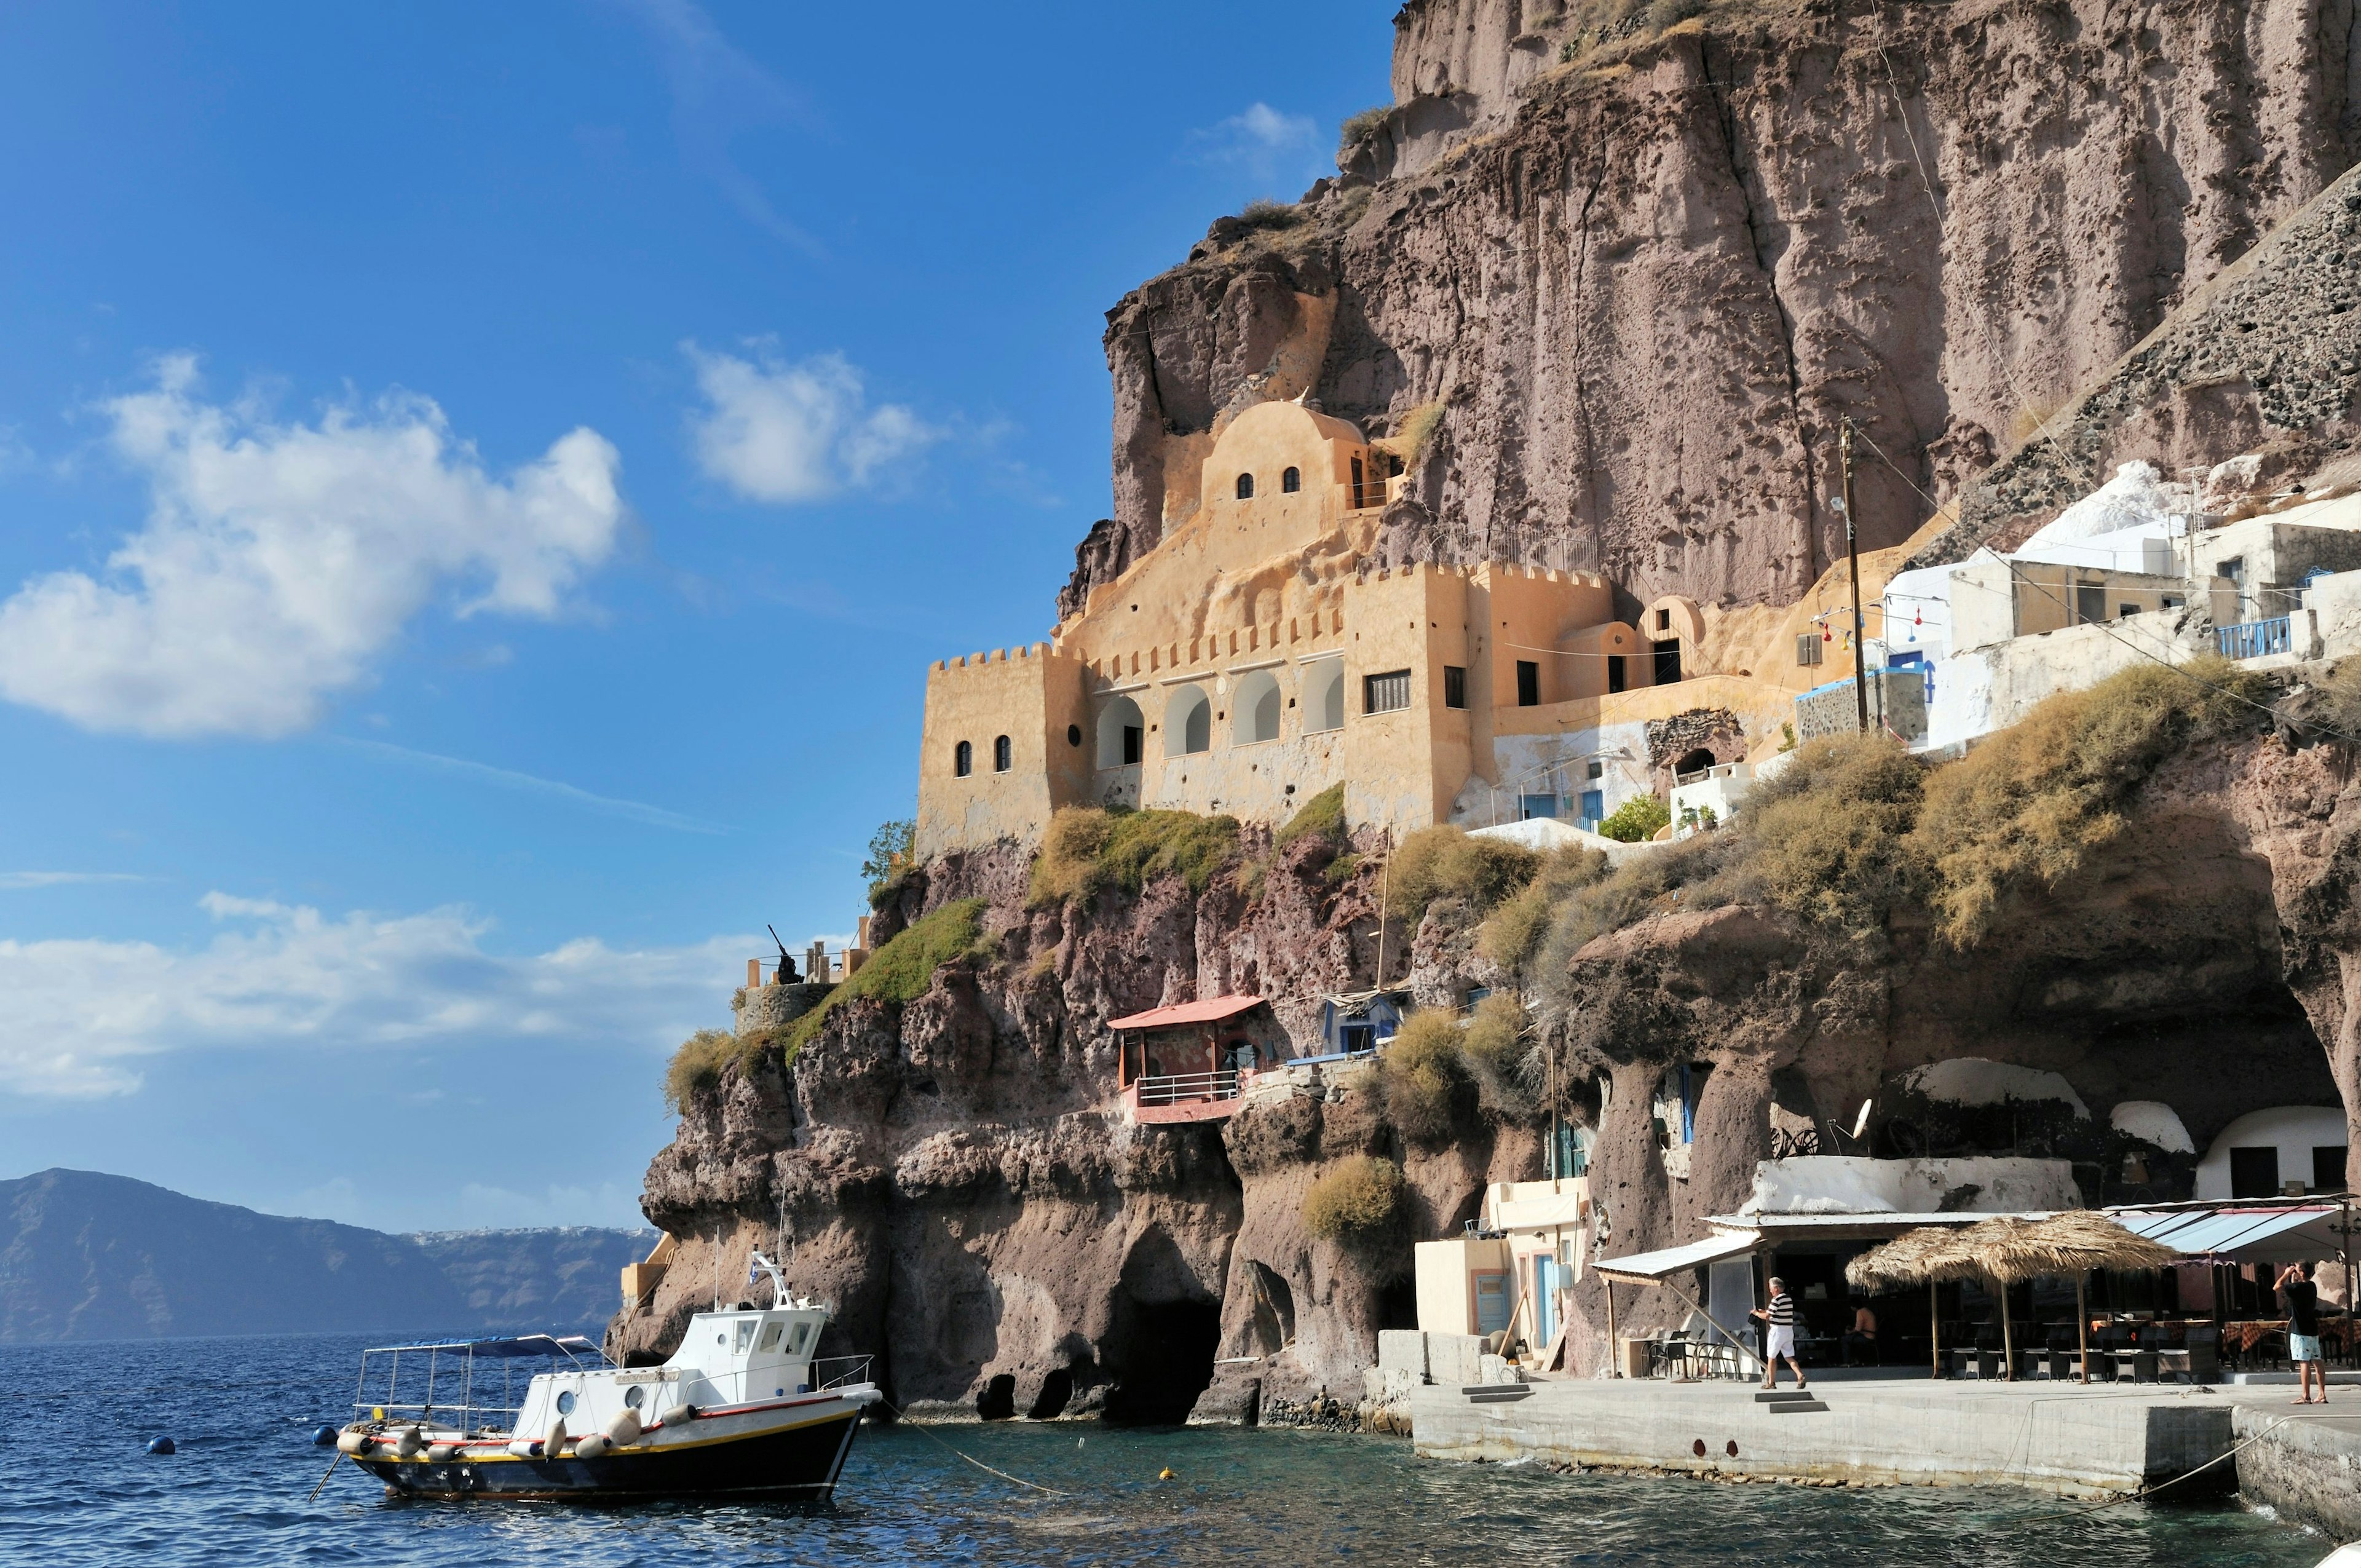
[2294,1130]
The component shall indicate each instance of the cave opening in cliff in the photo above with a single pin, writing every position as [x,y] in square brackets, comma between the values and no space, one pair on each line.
[1057,1393]
[997,1402]
[1160,1354]
[1397,1304]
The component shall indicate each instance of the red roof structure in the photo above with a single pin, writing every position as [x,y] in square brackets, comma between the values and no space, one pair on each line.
[1208,1011]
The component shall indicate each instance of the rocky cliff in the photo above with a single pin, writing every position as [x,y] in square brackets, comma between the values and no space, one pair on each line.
[1640,274]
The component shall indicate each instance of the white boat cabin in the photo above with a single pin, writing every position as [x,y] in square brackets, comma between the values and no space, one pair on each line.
[727,1358]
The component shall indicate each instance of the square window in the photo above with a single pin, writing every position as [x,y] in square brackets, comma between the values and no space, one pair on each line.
[1455,686]
[1388,693]
[1664,621]
[1807,647]
[1593,769]
[1529,683]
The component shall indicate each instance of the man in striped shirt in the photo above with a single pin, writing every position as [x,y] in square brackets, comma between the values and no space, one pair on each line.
[1779,1319]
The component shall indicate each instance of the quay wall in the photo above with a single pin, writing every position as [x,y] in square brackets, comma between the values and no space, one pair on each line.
[2075,1443]
[2306,1470]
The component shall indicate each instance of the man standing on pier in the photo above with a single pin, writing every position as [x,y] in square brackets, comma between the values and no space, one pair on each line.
[1779,1319]
[2300,1299]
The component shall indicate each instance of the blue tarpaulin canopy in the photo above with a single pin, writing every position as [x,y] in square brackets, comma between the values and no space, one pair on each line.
[2235,1233]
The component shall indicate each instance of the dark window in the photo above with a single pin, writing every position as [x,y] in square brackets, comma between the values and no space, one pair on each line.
[2255,1173]
[2124,609]
[1000,755]
[1455,686]
[1131,738]
[1290,480]
[1358,483]
[1664,621]
[1387,693]
[1668,663]
[1807,647]
[1246,487]
[2090,603]
[962,759]
[2327,1167]
[1615,672]
[1529,683]
[1593,769]
[1074,734]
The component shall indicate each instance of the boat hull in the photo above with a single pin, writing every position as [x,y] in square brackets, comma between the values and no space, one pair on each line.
[798,1458]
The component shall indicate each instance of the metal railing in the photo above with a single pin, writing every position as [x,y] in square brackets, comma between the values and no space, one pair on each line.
[1173,1088]
[855,1369]
[2253,638]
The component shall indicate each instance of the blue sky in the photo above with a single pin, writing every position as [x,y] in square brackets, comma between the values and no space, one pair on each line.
[480,487]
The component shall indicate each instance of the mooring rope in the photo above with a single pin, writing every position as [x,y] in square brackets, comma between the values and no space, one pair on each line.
[2147,1491]
[920,1428]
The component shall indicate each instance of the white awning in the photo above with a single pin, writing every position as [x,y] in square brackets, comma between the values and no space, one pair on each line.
[2235,1233]
[1651,1267]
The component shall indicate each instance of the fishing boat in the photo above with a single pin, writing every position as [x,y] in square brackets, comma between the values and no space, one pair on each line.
[742,1409]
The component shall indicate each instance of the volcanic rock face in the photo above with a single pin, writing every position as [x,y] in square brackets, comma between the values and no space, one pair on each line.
[1645,284]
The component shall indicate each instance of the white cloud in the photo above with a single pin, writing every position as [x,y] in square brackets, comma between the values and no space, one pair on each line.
[77,1016]
[1265,142]
[785,432]
[504,778]
[279,560]
[19,880]
[483,1206]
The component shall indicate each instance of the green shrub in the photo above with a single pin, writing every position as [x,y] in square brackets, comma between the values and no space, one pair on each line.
[1356,1199]
[1087,849]
[2030,803]
[696,1068]
[891,852]
[1423,1078]
[903,968]
[1637,820]
[1322,814]
[1358,128]
[1342,868]
[1494,1047]
[1512,935]
[1826,838]
[1444,861]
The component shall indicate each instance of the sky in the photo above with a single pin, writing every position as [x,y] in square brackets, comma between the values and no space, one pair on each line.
[479,489]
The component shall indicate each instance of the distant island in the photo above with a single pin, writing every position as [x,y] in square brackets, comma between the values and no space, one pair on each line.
[89,1256]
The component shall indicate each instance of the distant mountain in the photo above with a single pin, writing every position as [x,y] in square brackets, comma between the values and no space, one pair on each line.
[86,1256]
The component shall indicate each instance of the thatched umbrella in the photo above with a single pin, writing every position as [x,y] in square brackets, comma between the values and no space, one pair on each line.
[2006,1250]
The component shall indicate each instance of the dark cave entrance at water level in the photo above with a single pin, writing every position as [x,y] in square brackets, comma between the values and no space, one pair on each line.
[1160,1356]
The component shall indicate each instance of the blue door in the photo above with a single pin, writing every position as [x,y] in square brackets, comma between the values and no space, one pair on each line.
[1594,807]
[1545,1300]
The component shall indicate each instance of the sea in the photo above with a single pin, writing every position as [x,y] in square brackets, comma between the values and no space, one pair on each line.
[77,1485]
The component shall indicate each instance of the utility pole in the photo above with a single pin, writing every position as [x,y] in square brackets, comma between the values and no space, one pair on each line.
[1852,557]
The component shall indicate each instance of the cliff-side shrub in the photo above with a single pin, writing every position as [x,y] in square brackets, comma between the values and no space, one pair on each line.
[1358,128]
[1421,1077]
[1691,874]
[1416,433]
[1512,935]
[2340,698]
[2030,803]
[1444,861]
[1359,1199]
[903,968]
[1637,820]
[1322,816]
[1087,849]
[1826,839]
[1265,214]
[1663,14]
[1494,1047]
[696,1067]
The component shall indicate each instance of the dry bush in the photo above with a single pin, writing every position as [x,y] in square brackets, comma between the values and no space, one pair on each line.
[1359,127]
[1449,863]
[1415,433]
[1827,838]
[1494,1048]
[1513,934]
[1086,849]
[696,1068]
[1358,1200]
[2340,698]
[1423,1077]
[2030,803]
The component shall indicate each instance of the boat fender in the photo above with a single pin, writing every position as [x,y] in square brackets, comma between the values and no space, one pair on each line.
[323,1435]
[354,1443]
[595,1446]
[624,1430]
[409,1445]
[687,1412]
[523,1449]
[554,1443]
[163,1445]
[443,1453]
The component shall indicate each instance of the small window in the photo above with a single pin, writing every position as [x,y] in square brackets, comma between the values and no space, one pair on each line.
[1246,487]
[1000,755]
[745,1336]
[2255,1172]
[1807,647]
[2090,603]
[1664,621]
[1455,686]
[2328,1168]
[770,1340]
[1290,481]
[1359,486]
[1615,679]
[2124,609]
[1388,693]
[635,1395]
[2169,602]
[1593,769]
[1073,735]
[1529,683]
[802,1334]
[565,1403]
[962,759]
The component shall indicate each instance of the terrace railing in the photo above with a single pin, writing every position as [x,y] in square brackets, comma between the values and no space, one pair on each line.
[1172,1089]
[2253,639]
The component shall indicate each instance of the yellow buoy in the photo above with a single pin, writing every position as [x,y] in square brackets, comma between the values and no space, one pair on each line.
[377,1412]
[1166,1474]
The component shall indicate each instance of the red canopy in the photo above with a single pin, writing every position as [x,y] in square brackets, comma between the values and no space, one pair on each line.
[1208,1011]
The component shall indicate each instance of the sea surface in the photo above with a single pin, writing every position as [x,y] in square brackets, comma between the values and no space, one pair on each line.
[78,1486]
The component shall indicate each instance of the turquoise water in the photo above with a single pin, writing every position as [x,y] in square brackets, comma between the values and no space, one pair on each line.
[77,1486]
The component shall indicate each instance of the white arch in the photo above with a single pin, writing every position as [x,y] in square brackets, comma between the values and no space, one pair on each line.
[1254,709]
[1323,695]
[1187,721]
[2290,1131]
[1114,718]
